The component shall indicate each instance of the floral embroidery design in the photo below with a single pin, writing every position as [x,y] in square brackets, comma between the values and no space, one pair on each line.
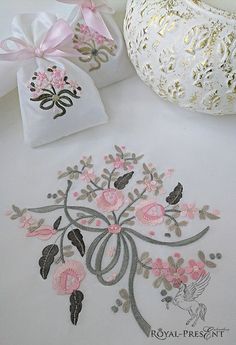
[54,90]
[94,48]
[107,206]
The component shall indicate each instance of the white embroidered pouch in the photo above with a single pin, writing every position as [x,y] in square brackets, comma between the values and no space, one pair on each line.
[99,41]
[57,98]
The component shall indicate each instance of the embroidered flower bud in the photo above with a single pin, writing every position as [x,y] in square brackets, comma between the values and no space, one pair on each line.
[114,229]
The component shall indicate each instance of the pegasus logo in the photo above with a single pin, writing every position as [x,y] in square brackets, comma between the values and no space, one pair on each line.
[186,299]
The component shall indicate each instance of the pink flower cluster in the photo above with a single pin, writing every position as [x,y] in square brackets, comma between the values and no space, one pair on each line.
[86,34]
[54,77]
[178,275]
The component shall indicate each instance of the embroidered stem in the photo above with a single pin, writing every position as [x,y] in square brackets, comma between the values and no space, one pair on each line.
[173,219]
[131,204]
[110,177]
[137,315]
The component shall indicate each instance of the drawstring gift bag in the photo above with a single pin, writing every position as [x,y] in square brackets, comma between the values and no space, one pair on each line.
[99,42]
[57,98]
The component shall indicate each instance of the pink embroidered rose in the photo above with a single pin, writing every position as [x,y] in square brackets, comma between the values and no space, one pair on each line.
[150,212]
[195,269]
[160,268]
[68,277]
[110,200]
[176,276]
[118,163]
[188,210]
[114,229]
[43,233]
[88,175]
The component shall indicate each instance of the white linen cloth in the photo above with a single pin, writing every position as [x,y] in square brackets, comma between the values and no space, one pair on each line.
[166,135]
[43,123]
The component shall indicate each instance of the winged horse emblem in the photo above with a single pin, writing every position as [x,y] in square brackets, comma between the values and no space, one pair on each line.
[186,299]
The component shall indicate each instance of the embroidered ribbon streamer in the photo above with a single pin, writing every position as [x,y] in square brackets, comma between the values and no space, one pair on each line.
[92,15]
[56,43]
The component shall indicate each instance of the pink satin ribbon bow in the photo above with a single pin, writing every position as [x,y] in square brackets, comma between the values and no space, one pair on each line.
[56,43]
[92,15]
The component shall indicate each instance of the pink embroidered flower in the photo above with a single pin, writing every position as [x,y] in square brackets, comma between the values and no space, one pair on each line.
[26,221]
[41,76]
[114,229]
[160,268]
[88,175]
[100,39]
[58,83]
[110,200]
[43,233]
[188,210]
[177,255]
[68,277]
[150,185]
[84,29]
[75,194]
[58,74]
[195,269]
[169,172]
[176,276]
[150,212]
[73,85]
[118,163]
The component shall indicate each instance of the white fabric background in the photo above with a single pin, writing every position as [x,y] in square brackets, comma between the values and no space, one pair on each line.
[201,149]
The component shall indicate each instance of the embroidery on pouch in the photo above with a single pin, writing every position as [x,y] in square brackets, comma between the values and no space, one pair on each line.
[53,89]
[94,48]
[112,206]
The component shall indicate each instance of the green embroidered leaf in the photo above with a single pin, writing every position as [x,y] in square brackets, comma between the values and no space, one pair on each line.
[146,274]
[57,223]
[175,196]
[122,181]
[48,256]
[157,282]
[201,256]
[76,299]
[139,269]
[118,149]
[210,264]
[179,263]
[76,239]
[144,256]
[124,294]
[171,261]
[178,231]
[126,306]
[167,284]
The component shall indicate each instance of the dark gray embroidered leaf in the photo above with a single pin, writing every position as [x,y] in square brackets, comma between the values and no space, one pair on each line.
[175,196]
[122,181]
[76,239]
[57,223]
[76,299]
[45,262]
